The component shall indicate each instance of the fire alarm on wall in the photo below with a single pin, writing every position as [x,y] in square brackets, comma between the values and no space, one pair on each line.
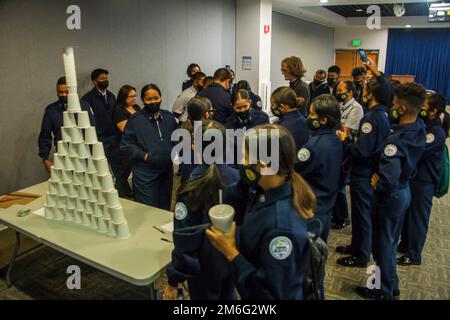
[266,28]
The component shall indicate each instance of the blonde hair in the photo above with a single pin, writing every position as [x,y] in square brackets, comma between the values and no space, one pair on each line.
[295,66]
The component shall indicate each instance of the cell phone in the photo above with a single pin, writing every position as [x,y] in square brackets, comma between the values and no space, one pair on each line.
[363,55]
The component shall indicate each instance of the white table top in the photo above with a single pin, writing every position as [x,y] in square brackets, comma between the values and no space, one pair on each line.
[139,259]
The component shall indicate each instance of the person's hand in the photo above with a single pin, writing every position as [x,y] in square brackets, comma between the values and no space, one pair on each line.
[170,293]
[48,165]
[342,134]
[374,180]
[224,242]
[372,67]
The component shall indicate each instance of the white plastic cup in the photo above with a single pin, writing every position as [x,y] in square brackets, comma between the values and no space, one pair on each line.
[68,215]
[94,222]
[123,232]
[69,66]
[50,200]
[66,176]
[73,149]
[90,135]
[68,163]
[102,226]
[91,167]
[102,167]
[77,217]
[96,185]
[98,151]
[69,120]
[86,218]
[80,205]
[98,210]
[117,214]
[55,174]
[92,196]
[107,183]
[83,120]
[83,193]
[61,201]
[78,178]
[58,161]
[71,203]
[101,198]
[52,187]
[80,165]
[87,180]
[88,207]
[76,135]
[83,151]
[113,199]
[112,229]
[66,134]
[71,192]
[62,148]
[62,192]
[49,212]
[73,102]
[222,216]
[59,214]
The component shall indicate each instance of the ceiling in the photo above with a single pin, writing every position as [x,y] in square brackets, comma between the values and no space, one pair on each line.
[343,13]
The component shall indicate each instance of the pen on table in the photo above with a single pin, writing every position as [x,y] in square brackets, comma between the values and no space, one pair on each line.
[160,230]
[166,240]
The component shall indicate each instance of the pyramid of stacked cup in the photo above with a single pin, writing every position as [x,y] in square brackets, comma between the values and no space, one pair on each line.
[81,188]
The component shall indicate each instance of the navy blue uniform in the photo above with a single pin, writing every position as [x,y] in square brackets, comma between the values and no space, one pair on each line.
[103,112]
[207,271]
[220,99]
[51,125]
[152,179]
[321,89]
[272,241]
[423,186]
[404,148]
[256,101]
[365,153]
[295,122]
[319,164]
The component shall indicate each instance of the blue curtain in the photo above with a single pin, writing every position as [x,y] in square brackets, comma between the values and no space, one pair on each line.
[424,53]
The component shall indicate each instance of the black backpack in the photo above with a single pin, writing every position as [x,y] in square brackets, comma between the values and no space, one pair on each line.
[315,269]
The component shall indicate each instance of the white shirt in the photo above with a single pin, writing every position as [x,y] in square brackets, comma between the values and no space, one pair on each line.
[181,102]
[351,114]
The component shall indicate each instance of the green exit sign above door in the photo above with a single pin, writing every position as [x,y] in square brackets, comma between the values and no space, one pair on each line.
[356,43]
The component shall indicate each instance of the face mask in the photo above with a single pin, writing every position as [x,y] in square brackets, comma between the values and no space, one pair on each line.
[249,176]
[152,107]
[276,112]
[317,82]
[243,115]
[366,100]
[341,97]
[424,115]
[62,100]
[394,116]
[331,81]
[313,124]
[358,84]
[103,85]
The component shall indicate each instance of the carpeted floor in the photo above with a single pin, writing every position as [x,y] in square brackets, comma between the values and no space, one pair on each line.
[41,274]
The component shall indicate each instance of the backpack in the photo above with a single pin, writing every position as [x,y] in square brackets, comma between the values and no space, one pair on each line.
[443,184]
[315,269]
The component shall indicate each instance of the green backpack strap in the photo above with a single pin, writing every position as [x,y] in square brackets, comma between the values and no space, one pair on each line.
[443,185]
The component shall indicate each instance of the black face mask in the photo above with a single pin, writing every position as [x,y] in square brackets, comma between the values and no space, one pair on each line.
[276,112]
[341,97]
[424,115]
[332,81]
[316,82]
[152,107]
[394,116]
[358,84]
[103,85]
[313,124]
[249,176]
[243,115]
[62,100]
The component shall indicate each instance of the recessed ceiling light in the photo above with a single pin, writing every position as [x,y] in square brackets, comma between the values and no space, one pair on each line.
[359,10]
[323,1]
[408,26]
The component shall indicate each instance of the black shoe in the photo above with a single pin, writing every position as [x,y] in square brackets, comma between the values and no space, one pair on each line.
[401,249]
[344,250]
[407,261]
[371,294]
[339,225]
[396,294]
[351,262]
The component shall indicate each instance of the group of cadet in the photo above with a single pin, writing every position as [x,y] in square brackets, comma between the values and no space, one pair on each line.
[382,140]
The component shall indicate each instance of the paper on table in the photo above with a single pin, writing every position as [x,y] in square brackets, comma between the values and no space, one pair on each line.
[39,212]
[168,227]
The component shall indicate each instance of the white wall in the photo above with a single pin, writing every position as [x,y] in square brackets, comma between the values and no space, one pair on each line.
[313,43]
[370,39]
[139,41]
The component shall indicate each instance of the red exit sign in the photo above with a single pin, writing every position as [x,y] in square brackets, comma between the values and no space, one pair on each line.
[266,28]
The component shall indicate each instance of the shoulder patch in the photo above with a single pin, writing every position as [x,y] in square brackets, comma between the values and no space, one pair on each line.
[280,247]
[366,128]
[430,138]
[259,104]
[181,211]
[304,154]
[390,150]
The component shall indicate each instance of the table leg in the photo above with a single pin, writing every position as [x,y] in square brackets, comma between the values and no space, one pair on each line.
[152,292]
[13,259]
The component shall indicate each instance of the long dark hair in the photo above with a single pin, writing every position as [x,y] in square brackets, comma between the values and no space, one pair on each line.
[202,192]
[196,108]
[122,96]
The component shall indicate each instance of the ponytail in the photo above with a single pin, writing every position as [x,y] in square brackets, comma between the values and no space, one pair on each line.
[303,198]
